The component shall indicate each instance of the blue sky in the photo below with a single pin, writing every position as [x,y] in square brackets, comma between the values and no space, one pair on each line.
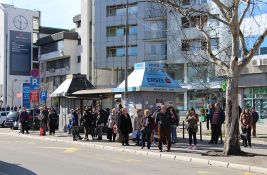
[54,13]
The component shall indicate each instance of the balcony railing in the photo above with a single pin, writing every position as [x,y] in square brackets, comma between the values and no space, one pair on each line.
[151,35]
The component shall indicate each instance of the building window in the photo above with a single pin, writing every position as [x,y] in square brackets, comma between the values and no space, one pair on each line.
[35,54]
[79,41]
[120,30]
[185,45]
[35,65]
[120,10]
[194,21]
[78,59]
[51,47]
[120,51]
[197,44]
[185,2]
[58,64]
[78,24]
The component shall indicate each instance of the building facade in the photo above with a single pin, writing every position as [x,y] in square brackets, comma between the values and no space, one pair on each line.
[154,35]
[19,30]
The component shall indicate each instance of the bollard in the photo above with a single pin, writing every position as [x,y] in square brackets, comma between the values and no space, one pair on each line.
[183,129]
[200,125]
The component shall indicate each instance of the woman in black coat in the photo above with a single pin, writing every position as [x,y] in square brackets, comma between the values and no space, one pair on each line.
[125,126]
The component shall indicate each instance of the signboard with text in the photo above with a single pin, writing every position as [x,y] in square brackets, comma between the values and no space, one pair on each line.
[34,96]
[26,95]
[43,96]
[20,53]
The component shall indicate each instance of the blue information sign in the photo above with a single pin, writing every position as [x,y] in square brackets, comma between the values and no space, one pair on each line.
[43,96]
[26,95]
[34,83]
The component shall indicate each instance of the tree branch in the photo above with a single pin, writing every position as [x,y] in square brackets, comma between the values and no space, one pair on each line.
[212,57]
[255,47]
[244,12]
[243,43]
[223,8]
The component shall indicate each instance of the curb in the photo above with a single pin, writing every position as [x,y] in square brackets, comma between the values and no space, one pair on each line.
[168,156]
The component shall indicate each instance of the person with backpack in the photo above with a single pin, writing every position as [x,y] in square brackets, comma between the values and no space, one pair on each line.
[255,118]
[217,120]
[192,120]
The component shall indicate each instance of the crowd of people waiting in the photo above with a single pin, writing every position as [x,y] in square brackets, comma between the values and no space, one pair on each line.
[147,127]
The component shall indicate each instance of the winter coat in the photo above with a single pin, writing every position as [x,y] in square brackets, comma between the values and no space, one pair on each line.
[163,120]
[112,119]
[245,120]
[87,119]
[24,116]
[125,124]
[75,119]
[137,123]
[52,118]
[192,122]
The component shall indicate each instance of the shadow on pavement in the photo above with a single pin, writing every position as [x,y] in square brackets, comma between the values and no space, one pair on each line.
[8,168]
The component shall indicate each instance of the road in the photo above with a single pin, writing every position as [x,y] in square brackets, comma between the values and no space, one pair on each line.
[22,156]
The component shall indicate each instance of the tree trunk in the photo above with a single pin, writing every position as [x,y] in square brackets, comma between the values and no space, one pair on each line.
[231,145]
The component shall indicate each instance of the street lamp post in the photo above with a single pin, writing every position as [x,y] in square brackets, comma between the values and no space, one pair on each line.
[12,91]
[126,57]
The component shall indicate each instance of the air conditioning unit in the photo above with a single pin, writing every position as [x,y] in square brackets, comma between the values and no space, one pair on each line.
[256,62]
[264,61]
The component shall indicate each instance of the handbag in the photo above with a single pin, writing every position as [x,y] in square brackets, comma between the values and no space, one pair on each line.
[244,136]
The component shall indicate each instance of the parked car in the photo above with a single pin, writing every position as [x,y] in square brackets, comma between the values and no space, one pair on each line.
[3,116]
[12,120]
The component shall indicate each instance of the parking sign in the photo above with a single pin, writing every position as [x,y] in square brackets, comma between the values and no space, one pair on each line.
[43,96]
[34,83]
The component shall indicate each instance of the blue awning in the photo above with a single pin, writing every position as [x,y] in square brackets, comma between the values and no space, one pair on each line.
[149,77]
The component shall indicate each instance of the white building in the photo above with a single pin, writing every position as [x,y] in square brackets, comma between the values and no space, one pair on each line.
[154,35]
[59,55]
[19,30]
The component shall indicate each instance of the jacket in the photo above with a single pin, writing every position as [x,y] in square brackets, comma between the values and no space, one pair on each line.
[163,120]
[75,119]
[125,124]
[87,119]
[137,123]
[24,116]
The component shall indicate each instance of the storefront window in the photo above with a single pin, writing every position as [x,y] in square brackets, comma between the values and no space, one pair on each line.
[179,100]
[256,97]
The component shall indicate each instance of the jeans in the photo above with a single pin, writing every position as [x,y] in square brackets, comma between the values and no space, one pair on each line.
[192,134]
[247,141]
[138,136]
[173,133]
[146,137]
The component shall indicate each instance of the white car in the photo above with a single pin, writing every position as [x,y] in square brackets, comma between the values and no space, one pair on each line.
[3,115]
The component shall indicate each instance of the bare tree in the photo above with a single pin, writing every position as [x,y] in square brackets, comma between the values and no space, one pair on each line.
[231,16]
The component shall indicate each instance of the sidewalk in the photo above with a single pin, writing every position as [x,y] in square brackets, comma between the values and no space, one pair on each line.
[254,162]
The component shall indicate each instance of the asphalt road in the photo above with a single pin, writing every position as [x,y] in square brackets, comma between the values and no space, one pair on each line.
[20,156]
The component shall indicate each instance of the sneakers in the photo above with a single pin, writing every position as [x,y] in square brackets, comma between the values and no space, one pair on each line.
[189,147]
[194,147]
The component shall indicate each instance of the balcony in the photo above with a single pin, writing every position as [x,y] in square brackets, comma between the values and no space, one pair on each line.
[155,36]
[57,72]
[52,55]
[156,57]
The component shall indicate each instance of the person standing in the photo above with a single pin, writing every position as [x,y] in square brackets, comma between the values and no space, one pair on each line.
[100,123]
[217,120]
[43,117]
[174,124]
[192,120]
[146,128]
[52,119]
[87,120]
[125,126]
[246,122]
[24,120]
[163,121]
[255,118]
[137,126]
[75,126]
[209,115]
[112,122]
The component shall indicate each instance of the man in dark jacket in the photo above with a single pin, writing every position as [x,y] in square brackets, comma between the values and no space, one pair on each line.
[24,119]
[87,120]
[255,118]
[163,121]
[217,120]
[75,126]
